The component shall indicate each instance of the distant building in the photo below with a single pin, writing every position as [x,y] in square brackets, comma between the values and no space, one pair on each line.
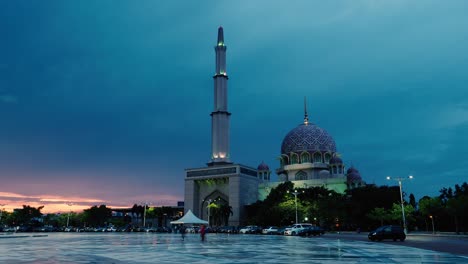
[308,158]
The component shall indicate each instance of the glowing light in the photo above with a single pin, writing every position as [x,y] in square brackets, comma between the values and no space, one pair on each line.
[220,44]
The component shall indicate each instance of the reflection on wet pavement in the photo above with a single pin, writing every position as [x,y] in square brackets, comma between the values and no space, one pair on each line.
[222,248]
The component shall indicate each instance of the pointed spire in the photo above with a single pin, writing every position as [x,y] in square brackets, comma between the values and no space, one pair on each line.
[220,36]
[306,116]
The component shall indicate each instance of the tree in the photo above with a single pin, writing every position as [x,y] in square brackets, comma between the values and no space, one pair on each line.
[458,208]
[396,213]
[28,215]
[379,214]
[97,216]
[412,200]
[456,204]
[226,212]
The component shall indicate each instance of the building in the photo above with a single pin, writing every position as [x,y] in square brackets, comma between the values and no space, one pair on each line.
[222,182]
[308,158]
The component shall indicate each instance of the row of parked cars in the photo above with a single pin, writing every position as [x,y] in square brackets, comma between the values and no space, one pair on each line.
[302,229]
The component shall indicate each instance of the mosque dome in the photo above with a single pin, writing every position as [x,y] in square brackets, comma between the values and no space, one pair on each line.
[263,166]
[323,174]
[336,160]
[308,137]
[351,170]
[353,174]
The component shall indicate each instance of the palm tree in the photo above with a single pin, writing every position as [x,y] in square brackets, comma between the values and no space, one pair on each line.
[226,211]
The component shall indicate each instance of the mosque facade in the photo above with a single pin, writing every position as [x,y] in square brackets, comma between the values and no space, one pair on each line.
[308,158]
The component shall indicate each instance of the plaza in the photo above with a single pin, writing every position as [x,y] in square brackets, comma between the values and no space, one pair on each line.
[218,248]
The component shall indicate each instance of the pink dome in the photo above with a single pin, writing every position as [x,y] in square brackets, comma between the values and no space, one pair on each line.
[263,166]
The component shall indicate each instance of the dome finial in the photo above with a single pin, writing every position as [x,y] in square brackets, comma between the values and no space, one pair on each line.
[306,116]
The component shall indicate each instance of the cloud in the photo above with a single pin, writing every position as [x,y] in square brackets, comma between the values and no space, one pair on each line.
[51,203]
[6,98]
[452,116]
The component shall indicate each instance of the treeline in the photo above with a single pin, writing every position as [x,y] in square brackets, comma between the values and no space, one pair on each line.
[362,208]
[95,216]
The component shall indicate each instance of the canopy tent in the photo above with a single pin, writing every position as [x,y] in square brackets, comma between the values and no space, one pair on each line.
[189,218]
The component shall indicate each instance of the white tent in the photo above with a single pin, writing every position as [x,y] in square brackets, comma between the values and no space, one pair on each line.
[189,218]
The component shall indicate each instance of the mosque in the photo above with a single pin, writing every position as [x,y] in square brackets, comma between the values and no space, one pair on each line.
[308,158]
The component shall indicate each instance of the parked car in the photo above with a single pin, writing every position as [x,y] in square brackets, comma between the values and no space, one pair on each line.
[387,232]
[229,229]
[282,229]
[296,229]
[250,230]
[192,229]
[312,231]
[271,230]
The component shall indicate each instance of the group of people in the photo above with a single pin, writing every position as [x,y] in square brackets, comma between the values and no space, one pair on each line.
[202,232]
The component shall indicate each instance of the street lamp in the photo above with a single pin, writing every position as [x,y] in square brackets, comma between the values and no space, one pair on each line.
[145,204]
[295,193]
[432,219]
[68,217]
[399,180]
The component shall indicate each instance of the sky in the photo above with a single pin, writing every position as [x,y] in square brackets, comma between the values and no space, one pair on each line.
[107,102]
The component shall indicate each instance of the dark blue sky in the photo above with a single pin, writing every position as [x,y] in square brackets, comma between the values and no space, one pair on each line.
[110,100]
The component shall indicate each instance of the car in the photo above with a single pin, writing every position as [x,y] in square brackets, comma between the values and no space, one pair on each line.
[312,231]
[250,230]
[271,230]
[296,229]
[387,232]
[191,229]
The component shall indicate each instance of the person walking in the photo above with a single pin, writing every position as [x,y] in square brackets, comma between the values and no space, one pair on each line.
[182,232]
[202,232]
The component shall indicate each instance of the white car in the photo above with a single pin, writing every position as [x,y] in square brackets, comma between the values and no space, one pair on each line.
[296,228]
[270,230]
[248,230]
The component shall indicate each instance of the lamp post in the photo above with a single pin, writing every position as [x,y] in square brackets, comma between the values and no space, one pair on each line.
[295,193]
[69,211]
[432,219]
[145,204]
[399,180]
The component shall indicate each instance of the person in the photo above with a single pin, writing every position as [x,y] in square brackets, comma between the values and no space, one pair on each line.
[202,232]
[182,232]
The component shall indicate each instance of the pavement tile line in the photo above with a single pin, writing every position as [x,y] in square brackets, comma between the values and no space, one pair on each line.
[144,248]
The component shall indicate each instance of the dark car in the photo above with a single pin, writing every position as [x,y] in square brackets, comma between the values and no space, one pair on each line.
[311,231]
[387,232]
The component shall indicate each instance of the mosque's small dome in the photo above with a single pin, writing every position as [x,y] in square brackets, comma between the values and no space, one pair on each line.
[353,174]
[263,166]
[336,160]
[308,137]
[324,174]
[351,170]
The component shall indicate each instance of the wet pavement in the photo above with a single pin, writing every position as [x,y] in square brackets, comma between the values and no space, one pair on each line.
[218,248]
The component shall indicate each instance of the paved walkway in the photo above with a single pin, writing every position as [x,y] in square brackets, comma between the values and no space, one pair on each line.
[170,248]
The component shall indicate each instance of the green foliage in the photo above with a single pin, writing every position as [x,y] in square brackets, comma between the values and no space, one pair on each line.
[97,216]
[28,215]
[379,214]
[396,214]
[430,206]
[279,208]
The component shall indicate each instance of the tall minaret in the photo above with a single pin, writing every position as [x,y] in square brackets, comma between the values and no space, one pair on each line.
[220,115]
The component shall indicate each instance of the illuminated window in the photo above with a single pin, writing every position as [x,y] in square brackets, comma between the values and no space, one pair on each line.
[301,176]
[294,158]
[317,157]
